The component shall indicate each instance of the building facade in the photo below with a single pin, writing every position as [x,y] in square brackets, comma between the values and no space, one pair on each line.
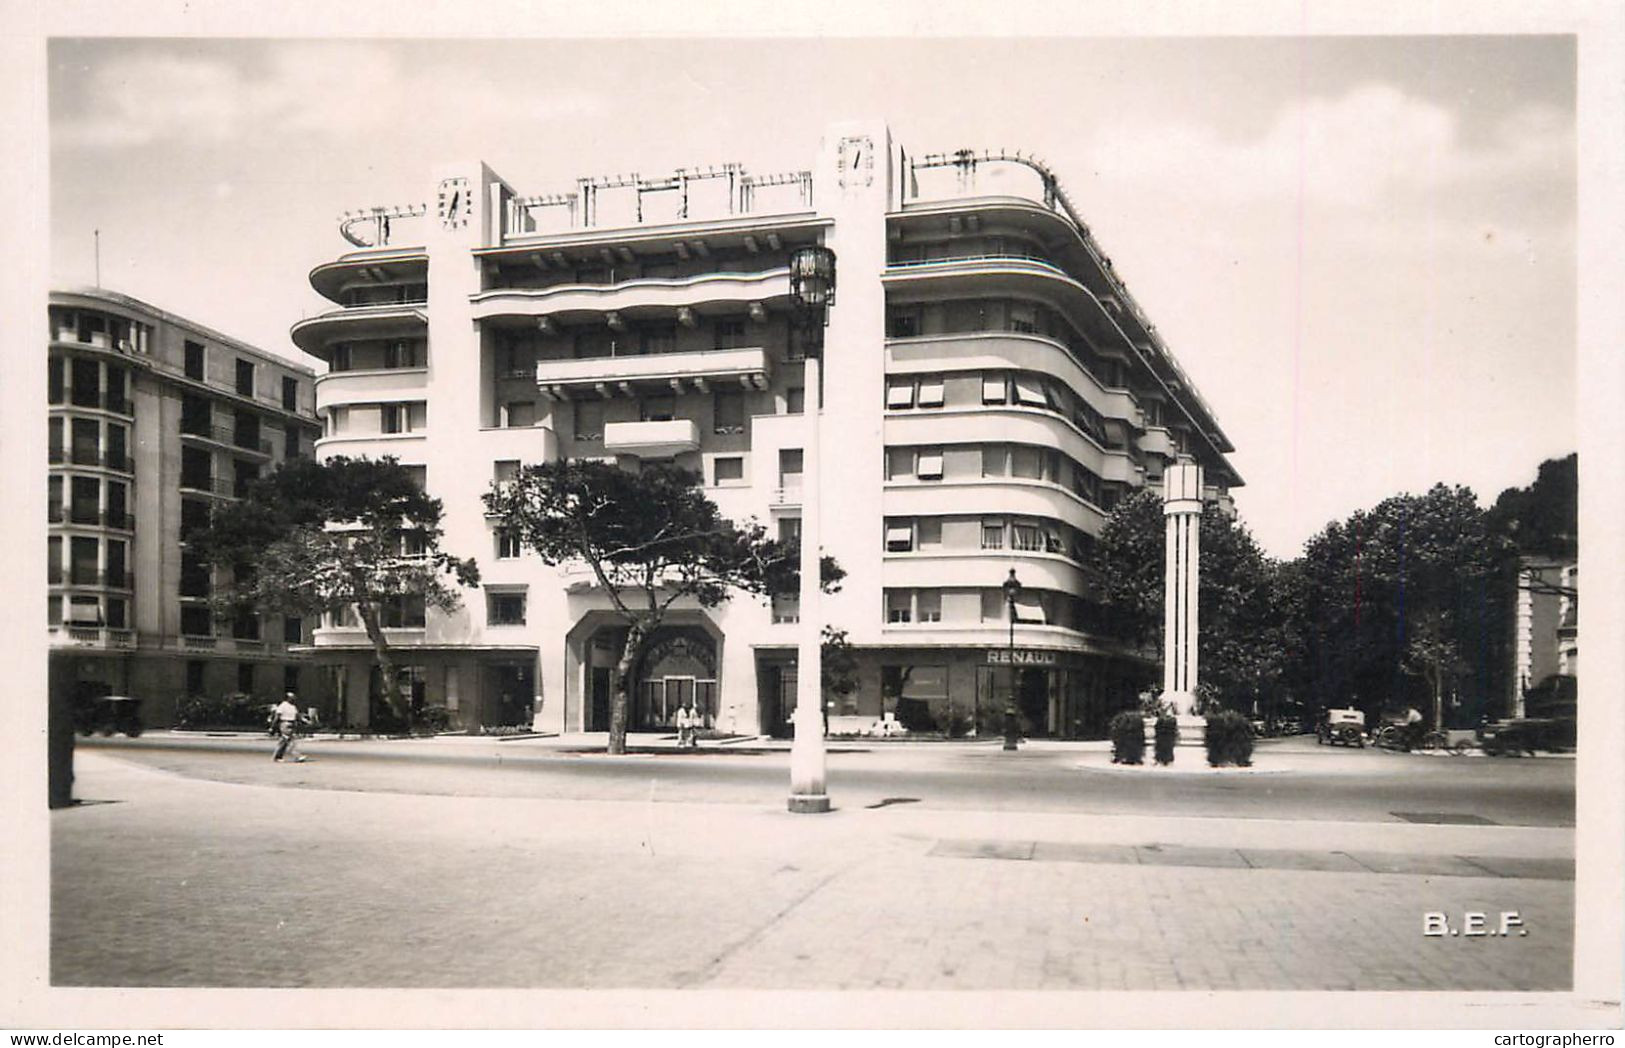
[1545,644]
[153,419]
[991,389]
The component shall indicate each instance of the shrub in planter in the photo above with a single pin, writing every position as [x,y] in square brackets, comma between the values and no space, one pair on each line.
[227,711]
[1167,737]
[1128,737]
[432,719]
[1229,739]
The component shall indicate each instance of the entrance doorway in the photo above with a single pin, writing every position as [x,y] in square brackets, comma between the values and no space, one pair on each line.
[1032,700]
[510,688]
[598,699]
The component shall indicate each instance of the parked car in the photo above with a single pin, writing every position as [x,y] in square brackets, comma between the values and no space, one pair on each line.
[108,714]
[1341,727]
[1529,735]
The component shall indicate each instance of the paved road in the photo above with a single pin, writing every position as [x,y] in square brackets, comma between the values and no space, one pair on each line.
[180,881]
[1293,779]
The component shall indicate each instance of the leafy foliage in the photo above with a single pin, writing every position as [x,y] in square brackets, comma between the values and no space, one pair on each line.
[1543,519]
[318,537]
[1228,737]
[1127,731]
[1166,738]
[650,538]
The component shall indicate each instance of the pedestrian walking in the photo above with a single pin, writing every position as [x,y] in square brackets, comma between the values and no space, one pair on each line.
[685,726]
[287,717]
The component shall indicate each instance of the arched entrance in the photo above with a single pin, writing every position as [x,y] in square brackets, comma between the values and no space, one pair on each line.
[679,669]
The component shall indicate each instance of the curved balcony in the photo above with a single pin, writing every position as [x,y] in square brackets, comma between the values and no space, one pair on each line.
[1158,441]
[999,350]
[632,298]
[370,387]
[1002,496]
[91,458]
[379,266]
[730,368]
[408,447]
[225,437]
[983,569]
[1006,425]
[69,635]
[314,334]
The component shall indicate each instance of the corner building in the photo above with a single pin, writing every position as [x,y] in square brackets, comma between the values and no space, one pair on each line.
[153,420]
[991,391]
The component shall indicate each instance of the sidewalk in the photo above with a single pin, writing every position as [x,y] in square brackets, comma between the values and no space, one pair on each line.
[181,882]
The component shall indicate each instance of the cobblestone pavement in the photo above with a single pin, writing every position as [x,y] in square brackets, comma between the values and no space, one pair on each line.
[179,882]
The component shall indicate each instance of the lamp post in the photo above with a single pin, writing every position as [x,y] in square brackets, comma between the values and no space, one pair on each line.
[1012,590]
[812,290]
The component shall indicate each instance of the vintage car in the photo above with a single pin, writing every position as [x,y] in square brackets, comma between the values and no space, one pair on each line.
[1526,735]
[1344,727]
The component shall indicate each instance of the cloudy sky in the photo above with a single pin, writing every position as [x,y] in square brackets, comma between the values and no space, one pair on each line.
[1361,249]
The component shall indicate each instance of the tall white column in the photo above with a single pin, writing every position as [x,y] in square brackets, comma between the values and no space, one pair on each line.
[808,793]
[1182,510]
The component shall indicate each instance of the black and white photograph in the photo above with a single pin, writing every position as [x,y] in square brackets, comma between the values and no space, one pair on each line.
[1019,525]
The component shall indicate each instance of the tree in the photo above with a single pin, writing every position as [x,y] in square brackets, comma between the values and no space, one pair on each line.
[318,537]
[1426,569]
[1543,519]
[650,538]
[1241,646]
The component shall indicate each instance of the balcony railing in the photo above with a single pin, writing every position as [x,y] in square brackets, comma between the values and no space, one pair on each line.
[731,368]
[92,636]
[90,517]
[123,580]
[788,495]
[60,456]
[227,436]
[654,439]
[108,401]
[210,486]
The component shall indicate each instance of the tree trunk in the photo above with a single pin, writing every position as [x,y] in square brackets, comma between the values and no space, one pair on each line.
[386,665]
[620,699]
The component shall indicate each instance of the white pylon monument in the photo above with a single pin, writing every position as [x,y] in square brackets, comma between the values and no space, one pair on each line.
[1182,510]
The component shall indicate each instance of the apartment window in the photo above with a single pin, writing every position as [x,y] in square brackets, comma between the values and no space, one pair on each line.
[1030,608]
[508,544]
[899,463]
[662,339]
[290,393]
[290,678]
[246,625]
[53,560]
[902,323]
[54,438]
[194,361]
[900,394]
[197,468]
[194,517]
[84,611]
[394,418]
[927,533]
[928,605]
[930,395]
[659,267]
[992,534]
[993,389]
[1027,538]
[245,677]
[245,378]
[401,354]
[790,460]
[928,465]
[728,470]
[117,504]
[87,383]
[244,474]
[57,378]
[1026,462]
[117,552]
[899,536]
[194,677]
[197,417]
[899,606]
[82,561]
[786,609]
[1030,391]
[790,530]
[194,576]
[729,413]
[419,475]
[339,357]
[53,609]
[293,630]
[117,447]
[504,470]
[658,409]
[589,419]
[196,621]
[405,612]
[505,608]
[245,430]
[54,499]
[290,442]
[730,334]
[85,504]
[86,441]
[117,380]
[795,400]
[117,613]
[1023,318]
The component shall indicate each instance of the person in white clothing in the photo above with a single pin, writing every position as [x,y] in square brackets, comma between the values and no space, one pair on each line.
[286,715]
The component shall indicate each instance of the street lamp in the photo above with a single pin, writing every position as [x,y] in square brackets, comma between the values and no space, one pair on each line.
[812,292]
[1012,590]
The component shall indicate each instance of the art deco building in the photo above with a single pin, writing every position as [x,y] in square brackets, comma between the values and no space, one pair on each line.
[992,390]
[153,419]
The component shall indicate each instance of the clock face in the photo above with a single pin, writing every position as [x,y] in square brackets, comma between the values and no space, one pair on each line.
[454,203]
[857,160]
